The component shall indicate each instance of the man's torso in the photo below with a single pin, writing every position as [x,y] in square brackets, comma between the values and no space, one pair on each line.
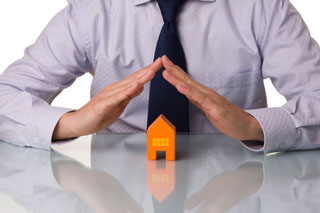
[220,39]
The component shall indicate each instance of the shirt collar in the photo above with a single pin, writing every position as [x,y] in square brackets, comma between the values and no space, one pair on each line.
[138,2]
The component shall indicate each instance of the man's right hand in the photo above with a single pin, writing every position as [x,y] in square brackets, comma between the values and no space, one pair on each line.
[106,107]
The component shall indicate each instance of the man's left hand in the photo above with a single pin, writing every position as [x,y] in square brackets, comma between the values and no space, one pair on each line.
[224,115]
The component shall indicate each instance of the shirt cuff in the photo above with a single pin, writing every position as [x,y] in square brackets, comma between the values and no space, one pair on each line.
[43,124]
[278,128]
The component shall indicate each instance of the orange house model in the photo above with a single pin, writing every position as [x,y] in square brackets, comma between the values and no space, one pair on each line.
[161,136]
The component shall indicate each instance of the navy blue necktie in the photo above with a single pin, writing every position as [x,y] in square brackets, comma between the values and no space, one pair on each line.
[164,98]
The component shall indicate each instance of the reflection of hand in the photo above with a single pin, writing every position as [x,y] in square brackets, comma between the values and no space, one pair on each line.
[106,107]
[101,191]
[225,116]
[225,190]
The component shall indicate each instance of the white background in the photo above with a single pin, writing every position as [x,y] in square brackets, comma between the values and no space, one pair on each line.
[22,21]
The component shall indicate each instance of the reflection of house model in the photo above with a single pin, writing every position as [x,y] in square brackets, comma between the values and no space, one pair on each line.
[161,181]
[161,136]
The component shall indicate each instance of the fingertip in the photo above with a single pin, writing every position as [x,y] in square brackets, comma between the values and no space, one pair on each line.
[166,74]
[156,65]
[165,57]
[166,62]
[157,60]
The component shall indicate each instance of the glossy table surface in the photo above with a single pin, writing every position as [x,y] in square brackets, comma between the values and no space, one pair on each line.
[110,173]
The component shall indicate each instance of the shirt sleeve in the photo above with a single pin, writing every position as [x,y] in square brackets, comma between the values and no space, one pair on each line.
[29,85]
[291,59]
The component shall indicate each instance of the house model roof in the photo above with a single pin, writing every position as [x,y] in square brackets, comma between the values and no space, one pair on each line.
[160,123]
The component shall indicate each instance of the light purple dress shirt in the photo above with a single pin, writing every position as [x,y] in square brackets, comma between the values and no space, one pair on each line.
[230,46]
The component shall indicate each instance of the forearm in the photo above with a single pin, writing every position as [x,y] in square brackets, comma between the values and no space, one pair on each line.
[295,126]
[26,120]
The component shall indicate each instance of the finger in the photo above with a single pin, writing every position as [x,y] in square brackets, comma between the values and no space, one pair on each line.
[124,103]
[177,71]
[143,76]
[151,70]
[132,91]
[198,98]
[129,94]
[110,92]
[181,75]
[148,76]
[138,92]
[168,64]
[180,85]
[192,93]
[167,75]
[206,99]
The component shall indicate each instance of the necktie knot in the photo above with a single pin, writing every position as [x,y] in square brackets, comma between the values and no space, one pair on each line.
[169,9]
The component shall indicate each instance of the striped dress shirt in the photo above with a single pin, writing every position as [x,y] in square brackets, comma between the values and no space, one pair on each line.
[230,46]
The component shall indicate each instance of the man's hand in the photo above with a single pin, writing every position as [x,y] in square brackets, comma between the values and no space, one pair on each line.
[106,107]
[225,116]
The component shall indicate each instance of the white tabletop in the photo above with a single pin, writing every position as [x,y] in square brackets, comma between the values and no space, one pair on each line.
[110,173]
